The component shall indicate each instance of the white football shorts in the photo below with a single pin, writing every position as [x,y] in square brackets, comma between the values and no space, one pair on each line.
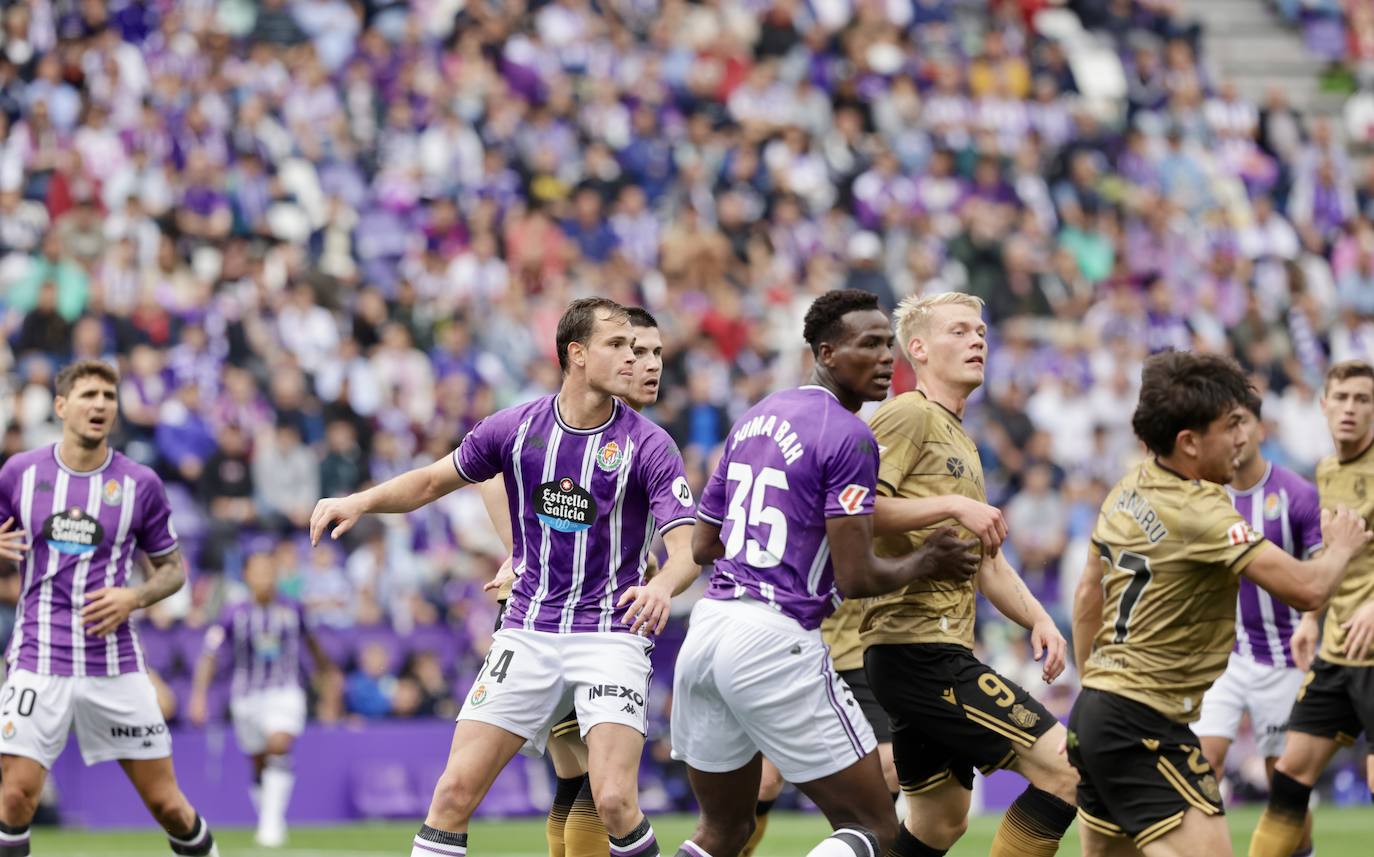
[115,717]
[1266,692]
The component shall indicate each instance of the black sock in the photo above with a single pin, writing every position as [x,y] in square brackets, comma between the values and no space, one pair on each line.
[763,807]
[566,791]
[451,843]
[1288,797]
[908,845]
[196,843]
[1046,814]
[639,842]
[14,840]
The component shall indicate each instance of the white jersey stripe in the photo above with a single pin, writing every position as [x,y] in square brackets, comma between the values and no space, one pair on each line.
[592,444]
[26,484]
[515,454]
[550,461]
[617,536]
[59,506]
[83,568]
[126,517]
[813,577]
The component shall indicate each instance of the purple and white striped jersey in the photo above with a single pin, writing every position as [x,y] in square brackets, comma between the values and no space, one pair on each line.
[265,643]
[1285,508]
[584,507]
[792,461]
[84,529]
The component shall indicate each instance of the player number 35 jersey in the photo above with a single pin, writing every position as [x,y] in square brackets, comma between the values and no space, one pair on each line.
[1171,550]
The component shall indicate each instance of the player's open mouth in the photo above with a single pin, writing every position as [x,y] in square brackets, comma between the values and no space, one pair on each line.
[651,383]
[975,360]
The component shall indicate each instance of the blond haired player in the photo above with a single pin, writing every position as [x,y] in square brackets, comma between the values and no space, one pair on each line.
[951,713]
[1336,702]
[1154,616]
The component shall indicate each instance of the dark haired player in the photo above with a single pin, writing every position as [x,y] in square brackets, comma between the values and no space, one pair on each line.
[590,482]
[573,827]
[75,662]
[787,519]
[1274,642]
[1336,699]
[1154,615]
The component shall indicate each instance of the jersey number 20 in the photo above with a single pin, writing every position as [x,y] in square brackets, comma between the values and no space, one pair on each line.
[752,489]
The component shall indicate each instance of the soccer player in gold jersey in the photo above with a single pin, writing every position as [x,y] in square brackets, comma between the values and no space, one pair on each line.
[951,713]
[1336,702]
[1154,616]
[574,828]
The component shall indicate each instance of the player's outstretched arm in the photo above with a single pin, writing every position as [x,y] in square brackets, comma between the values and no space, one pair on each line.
[106,609]
[1308,585]
[399,494]
[647,611]
[1002,586]
[896,515]
[1087,610]
[859,573]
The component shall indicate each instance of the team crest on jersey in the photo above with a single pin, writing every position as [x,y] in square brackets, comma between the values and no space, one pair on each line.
[113,492]
[609,457]
[1023,716]
[479,695]
[1273,507]
[955,467]
[73,532]
[1241,533]
[565,506]
[852,499]
[9,731]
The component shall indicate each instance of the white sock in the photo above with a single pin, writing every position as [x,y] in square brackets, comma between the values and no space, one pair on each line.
[847,842]
[255,797]
[276,794]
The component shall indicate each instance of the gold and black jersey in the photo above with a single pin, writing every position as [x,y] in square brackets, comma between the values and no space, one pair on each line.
[923,452]
[1348,483]
[840,631]
[1172,550]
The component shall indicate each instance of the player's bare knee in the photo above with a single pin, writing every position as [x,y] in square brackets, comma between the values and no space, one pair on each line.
[729,835]
[19,803]
[170,808]
[1060,781]
[618,804]
[455,799]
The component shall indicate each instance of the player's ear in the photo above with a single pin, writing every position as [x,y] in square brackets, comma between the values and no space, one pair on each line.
[577,354]
[1187,442]
[916,349]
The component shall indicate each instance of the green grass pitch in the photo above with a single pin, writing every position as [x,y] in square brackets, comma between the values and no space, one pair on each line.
[1340,833]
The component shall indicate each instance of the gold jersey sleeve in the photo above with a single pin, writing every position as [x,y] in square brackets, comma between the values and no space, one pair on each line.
[1349,483]
[1172,550]
[840,631]
[923,451]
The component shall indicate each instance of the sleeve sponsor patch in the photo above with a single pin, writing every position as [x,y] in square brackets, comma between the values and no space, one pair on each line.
[1242,534]
[852,498]
[682,491]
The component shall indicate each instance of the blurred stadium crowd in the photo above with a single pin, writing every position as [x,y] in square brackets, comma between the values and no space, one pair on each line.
[322,238]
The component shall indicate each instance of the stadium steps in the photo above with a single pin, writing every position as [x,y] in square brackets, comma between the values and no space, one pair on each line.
[1245,41]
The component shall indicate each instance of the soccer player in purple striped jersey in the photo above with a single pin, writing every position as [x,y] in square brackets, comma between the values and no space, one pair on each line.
[787,518]
[265,637]
[74,659]
[590,482]
[1275,644]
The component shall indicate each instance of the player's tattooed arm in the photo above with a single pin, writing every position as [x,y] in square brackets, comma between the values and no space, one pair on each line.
[106,609]
[1002,586]
[1087,609]
[860,573]
[895,515]
[399,494]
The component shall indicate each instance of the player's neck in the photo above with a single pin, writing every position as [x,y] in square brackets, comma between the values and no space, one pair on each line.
[80,457]
[1249,475]
[1349,450]
[581,407]
[1180,466]
[947,397]
[822,378]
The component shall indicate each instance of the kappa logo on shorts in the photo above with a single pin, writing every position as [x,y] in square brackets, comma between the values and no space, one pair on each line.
[852,498]
[948,696]
[9,731]
[1151,744]
[479,696]
[629,709]
[1023,716]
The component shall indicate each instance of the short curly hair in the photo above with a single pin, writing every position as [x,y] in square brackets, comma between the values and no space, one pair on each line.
[825,317]
[1181,391]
